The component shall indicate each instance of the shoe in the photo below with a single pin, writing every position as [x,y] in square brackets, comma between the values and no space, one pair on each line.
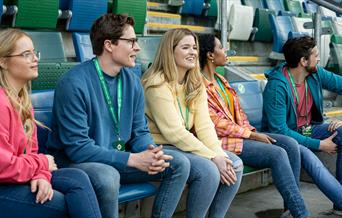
[286,214]
[337,212]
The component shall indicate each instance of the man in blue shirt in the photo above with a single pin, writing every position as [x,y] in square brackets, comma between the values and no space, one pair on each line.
[99,123]
[293,106]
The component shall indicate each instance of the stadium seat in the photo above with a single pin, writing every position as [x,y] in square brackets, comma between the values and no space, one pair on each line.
[42,102]
[212,11]
[50,45]
[300,23]
[275,5]
[262,22]
[253,3]
[240,29]
[309,7]
[337,25]
[295,7]
[84,13]
[325,12]
[250,95]
[49,74]
[193,7]
[82,45]
[2,8]
[149,46]
[134,8]
[34,13]
[336,53]
[281,26]
[64,4]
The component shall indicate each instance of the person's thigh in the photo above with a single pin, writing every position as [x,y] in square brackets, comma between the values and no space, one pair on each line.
[19,201]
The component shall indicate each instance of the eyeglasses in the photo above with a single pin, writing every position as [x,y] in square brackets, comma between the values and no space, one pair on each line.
[133,41]
[28,55]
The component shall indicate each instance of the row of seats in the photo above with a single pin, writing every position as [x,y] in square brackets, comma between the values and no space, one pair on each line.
[79,14]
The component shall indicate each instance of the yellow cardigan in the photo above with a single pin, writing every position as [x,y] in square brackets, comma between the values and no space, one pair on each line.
[168,127]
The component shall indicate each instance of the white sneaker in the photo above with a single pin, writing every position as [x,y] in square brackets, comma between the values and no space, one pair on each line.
[337,212]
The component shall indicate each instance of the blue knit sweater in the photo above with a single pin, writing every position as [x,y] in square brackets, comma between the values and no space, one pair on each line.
[82,128]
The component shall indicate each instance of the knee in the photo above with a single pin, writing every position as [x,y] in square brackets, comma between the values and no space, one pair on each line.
[180,164]
[279,155]
[210,173]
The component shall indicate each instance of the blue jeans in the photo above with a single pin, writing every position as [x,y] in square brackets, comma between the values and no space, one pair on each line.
[325,181]
[206,193]
[73,197]
[106,181]
[284,160]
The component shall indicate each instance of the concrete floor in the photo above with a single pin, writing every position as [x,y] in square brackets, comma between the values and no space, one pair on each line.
[267,203]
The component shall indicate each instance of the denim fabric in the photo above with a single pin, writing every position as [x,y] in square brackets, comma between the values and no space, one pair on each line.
[106,182]
[73,197]
[206,193]
[326,182]
[284,161]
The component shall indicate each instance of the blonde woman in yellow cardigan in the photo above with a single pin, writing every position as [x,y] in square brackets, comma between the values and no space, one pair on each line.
[177,111]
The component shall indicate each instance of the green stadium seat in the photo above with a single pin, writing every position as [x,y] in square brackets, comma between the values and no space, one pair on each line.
[35,13]
[134,8]
[49,73]
[294,6]
[50,44]
[262,22]
[336,54]
[212,11]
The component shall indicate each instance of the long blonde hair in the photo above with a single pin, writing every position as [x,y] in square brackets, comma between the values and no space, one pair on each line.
[164,66]
[21,101]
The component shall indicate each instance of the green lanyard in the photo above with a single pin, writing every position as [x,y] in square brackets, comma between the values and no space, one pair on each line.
[186,114]
[116,118]
[223,90]
[296,93]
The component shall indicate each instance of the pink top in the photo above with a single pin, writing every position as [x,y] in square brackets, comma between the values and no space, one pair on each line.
[303,107]
[15,166]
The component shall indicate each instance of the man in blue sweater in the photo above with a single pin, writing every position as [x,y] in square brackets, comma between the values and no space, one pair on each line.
[293,106]
[99,123]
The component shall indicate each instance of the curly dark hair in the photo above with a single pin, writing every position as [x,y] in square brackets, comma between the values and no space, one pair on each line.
[296,48]
[108,26]
[207,44]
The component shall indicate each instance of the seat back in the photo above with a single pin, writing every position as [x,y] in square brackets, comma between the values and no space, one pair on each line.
[253,3]
[275,5]
[36,14]
[84,13]
[281,26]
[83,47]
[336,53]
[193,7]
[294,6]
[262,22]
[250,96]
[240,29]
[42,102]
[134,8]
[309,7]
[213,10]
[50,44]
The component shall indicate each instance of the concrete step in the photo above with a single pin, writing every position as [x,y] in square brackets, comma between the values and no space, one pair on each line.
[156,6]
[333,112]
[162,27]
[162,17]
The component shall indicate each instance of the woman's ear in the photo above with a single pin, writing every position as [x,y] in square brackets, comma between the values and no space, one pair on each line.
[210,56]
[3,63]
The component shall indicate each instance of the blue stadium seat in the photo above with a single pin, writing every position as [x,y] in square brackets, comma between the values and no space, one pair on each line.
[281,26]
[64,4]
[42,102]
[2,8]
[250,95]
[82,45]
[309,7]
[84,13]
[84,50]
[275,5]
[193,7]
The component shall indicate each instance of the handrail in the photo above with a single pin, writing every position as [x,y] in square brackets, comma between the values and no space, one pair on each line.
[330,4]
